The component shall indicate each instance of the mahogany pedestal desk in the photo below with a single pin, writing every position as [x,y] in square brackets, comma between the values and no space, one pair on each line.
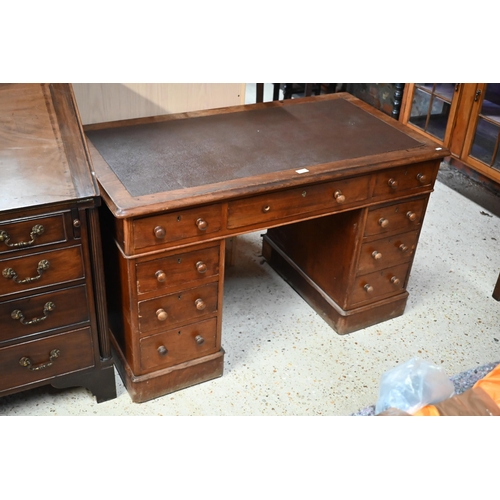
[341,189]
[53,312]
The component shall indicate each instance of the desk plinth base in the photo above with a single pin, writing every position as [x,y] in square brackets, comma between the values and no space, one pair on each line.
[142,388]
[340,320]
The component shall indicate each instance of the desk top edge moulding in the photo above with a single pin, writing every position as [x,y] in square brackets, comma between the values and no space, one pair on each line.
[52,297]
[340,189]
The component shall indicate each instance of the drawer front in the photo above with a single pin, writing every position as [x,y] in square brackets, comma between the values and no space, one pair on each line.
[41,269]
[32,233]
[174,309]
[178,270]
[166,228]
[46,311]
[386,252]
[379,284]
[45,358]
[398,180]
[294,202]
[179,345]
[401,217]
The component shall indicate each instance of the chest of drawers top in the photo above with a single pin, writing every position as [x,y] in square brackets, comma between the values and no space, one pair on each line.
[43,155]
[172,162]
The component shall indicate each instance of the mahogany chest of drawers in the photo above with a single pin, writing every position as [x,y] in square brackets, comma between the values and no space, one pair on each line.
[52,298]
[341,189]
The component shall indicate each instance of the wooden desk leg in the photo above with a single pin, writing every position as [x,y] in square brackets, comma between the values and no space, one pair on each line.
[496,291]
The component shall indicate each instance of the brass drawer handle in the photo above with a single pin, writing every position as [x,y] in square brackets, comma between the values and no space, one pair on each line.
[368,288]
[199,339]
[9,273]
[161,314]
[339,197]
[36,230]
[47,308]
[201,267]
[421,178]
[376,255]
[202,224]
[162,350]
[403,247]
[393,183]
[383,222]
[395,281]
[266,209]
[25,361]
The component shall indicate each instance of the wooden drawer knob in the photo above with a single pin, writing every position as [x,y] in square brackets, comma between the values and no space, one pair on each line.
[199,339]
[200,305]
[403,247]
[395,281]
[161,276]
[376,255]
[162,350]
[159,232]
[266,208]
[201,267]
[393,183]
[161,314]
[368,288]
[339,197]
[411,216]
[383,222]
[421,178]
[202,224]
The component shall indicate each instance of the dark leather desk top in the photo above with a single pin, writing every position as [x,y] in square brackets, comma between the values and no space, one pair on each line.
[234,152]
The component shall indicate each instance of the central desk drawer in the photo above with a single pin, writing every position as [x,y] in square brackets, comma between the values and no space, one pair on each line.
[294,202]
[177,270]
[159,230]
[177,308]
[179,345]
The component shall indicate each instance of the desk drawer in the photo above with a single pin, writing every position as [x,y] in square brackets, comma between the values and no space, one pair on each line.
[379,284]
[178,308]
[294,202]
[386,252]
[41,269]
[400,217]
[45,358]
[43,312]
[162,229]
[177,270]
[32,233]
[398,180]
[179,345]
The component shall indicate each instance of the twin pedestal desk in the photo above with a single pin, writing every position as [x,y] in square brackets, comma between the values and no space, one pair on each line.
[341,189]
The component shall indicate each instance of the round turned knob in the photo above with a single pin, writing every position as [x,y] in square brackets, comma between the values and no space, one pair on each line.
[159,232]
[77,223]
[421,178]
[339,197]
[201,267]
[376,255]
[161,314]
[403,247]
[160,276]
[266,209]
[162,350]
[368,288]
[202,224]
[199,339]
[383,222]
[393,183]
[411,216]
[200,305]
[394,280]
